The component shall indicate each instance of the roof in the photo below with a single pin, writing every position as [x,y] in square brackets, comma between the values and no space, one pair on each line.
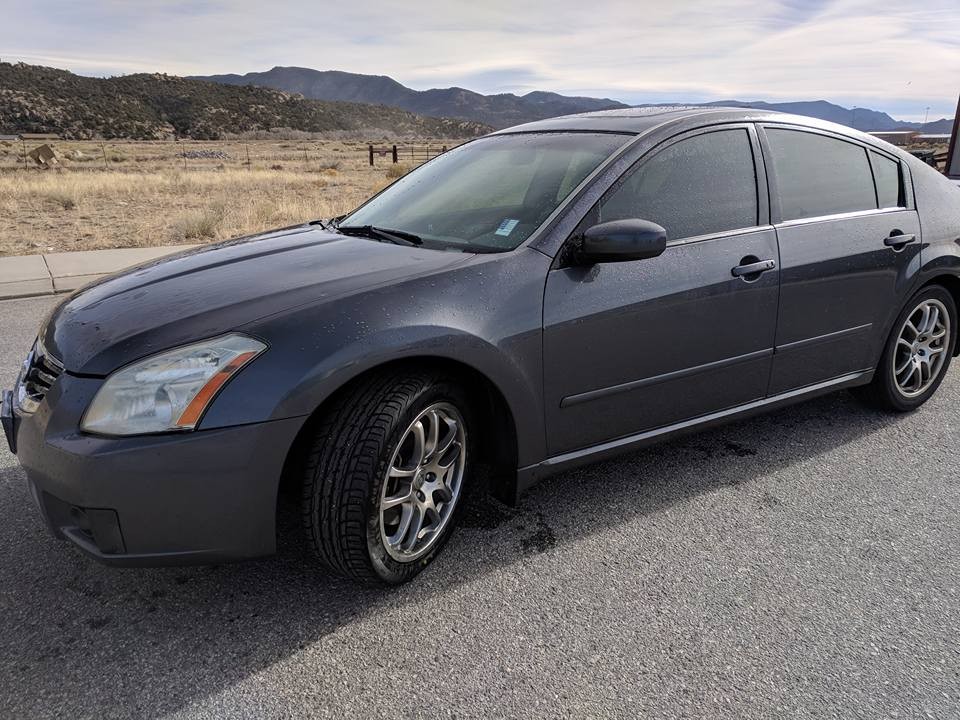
[640,121]
[626,120]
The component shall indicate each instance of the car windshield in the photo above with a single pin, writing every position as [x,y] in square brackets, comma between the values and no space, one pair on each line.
[488,195]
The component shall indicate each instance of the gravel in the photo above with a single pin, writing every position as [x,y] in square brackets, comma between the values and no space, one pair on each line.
[204,155]
[802,564]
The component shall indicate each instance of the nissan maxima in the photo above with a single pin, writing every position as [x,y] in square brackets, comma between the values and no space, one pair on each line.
[543,297]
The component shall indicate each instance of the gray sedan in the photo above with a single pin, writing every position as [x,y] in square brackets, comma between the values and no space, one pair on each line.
[540,298]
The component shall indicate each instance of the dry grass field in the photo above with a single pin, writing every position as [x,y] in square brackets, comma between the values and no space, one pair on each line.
[134,194]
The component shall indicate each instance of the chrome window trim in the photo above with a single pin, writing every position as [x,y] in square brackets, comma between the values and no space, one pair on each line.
[720,235]
[839,216]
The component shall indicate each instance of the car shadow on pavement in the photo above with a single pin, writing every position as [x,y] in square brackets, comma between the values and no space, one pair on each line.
[149,642]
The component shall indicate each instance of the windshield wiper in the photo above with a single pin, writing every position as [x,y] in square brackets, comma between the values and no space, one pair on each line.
[398,237]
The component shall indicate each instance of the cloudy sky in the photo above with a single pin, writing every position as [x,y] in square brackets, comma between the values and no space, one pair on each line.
[900,56]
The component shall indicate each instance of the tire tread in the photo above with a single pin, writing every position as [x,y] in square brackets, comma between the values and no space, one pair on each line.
[341,461]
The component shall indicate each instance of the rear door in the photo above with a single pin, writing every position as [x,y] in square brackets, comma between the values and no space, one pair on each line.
[849,245]
[638,345]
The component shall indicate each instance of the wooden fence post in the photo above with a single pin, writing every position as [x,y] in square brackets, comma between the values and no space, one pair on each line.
[394,154]
[23,144]
[371,156]
[103,150]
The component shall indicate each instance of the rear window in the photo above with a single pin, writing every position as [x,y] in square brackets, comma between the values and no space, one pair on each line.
[819,175]
[887,174]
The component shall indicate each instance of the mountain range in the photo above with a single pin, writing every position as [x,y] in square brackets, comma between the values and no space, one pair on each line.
[35,99]
[499,111]
[505,109]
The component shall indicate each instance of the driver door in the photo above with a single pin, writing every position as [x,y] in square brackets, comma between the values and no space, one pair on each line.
[638,345]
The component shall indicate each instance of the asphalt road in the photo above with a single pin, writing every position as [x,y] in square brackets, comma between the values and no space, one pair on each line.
[800,565]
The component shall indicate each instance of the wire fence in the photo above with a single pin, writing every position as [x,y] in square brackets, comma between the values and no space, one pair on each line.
[186,155]
[416,155]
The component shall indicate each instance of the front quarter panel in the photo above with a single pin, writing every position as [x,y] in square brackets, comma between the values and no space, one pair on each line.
[486,314]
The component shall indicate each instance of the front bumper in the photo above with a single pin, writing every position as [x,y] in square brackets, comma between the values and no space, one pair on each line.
[170,499]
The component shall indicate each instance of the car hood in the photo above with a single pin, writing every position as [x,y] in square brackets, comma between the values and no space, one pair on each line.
[214,289]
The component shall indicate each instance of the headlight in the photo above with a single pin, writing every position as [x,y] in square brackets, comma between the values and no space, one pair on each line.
[25,402]
[169,391]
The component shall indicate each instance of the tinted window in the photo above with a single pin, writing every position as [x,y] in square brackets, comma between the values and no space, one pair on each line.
[887,174]
[819,175]
[701,185]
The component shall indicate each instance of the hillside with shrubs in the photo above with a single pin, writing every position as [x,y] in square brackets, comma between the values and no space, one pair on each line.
[36,99]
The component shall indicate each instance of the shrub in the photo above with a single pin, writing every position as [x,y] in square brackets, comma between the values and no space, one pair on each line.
[397,170]
[198,225]
[64,197]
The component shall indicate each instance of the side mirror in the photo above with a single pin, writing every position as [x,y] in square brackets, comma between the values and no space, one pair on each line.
[621,240]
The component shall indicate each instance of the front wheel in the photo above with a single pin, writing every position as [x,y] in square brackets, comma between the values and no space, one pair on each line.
[385,474]
[917,354]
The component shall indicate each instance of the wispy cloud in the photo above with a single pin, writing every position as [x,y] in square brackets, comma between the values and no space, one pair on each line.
[881,53]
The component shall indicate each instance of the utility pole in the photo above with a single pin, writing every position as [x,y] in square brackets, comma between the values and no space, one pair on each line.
[926,115]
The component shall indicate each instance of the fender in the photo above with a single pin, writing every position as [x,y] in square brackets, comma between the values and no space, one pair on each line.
[512,379]
[939,259]
[938,202]
[316,350]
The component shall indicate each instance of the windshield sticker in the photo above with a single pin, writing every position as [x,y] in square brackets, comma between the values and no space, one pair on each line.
[506,227]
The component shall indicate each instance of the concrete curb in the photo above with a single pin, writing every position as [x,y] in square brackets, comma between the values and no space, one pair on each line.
[30,275]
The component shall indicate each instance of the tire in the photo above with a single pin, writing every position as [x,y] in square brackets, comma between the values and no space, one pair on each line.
[366,433]
[887,390]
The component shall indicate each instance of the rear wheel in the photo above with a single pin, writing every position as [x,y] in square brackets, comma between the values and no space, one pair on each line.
[385,474]
[917,354]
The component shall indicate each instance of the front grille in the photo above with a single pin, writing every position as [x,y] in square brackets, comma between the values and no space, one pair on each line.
[40,372]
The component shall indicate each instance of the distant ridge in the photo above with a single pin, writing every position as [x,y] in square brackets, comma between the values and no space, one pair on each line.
[35,99]
[506,109]
[858,118]
[498,111]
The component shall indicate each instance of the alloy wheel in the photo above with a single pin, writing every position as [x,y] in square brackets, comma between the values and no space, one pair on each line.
[921,349]
[423,482]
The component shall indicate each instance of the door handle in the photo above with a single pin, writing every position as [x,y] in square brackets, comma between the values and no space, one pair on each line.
[756,268]
[897,240]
